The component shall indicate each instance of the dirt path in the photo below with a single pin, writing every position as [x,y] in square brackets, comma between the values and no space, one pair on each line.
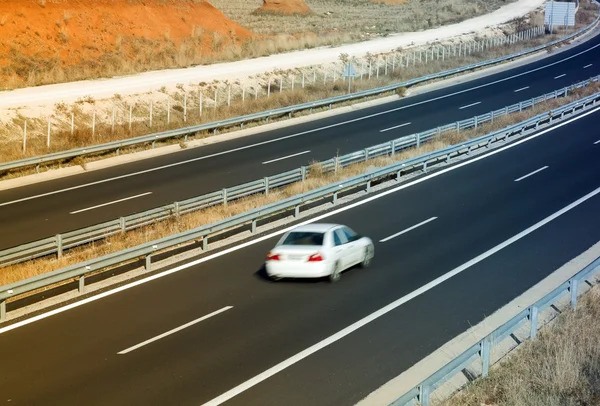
[146,82]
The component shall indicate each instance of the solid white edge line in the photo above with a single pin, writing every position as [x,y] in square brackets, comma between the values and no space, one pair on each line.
[469,105]
[384,310]
[286,157]
[560,76]
[587,66]
[408,229]
[521,89]
[109,203]
[286,229]
[531,173]
[303,132]
[175,330]
[394,127]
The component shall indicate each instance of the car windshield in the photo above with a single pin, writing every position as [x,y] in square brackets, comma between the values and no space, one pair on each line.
[303,238]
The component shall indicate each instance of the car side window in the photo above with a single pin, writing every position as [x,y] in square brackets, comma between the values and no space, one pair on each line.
[336,239]
[339,237]
[349,234]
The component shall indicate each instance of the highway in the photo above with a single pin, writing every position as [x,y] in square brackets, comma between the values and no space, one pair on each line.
[276,343]
[45,209]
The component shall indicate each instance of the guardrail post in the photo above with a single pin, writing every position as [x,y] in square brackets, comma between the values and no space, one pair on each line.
[573,289]
[424,395]
[253,226]
[266,185]
[533,317]
[122,224]
[224,193]
[81,286]
[204,242]
[335,197]
[418,140]
[148,264]
[303,173]
[486,346]
[393,143]
[59,246]
[297,210]
[425,166]
[366,154]
[476,121]
[176,208]
[369,186]
[2,310]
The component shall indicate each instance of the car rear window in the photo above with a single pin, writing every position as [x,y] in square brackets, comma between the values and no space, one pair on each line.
[303,238]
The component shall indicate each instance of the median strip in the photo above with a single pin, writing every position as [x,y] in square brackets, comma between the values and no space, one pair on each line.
[316,178]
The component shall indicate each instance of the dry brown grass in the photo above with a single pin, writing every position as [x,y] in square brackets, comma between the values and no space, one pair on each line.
[358,18]
[560,368]
[314,180]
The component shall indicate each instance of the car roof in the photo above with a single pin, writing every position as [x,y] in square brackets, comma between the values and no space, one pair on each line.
[316,227]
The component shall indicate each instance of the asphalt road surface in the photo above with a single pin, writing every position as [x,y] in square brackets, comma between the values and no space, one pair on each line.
[99,353]
[41,210]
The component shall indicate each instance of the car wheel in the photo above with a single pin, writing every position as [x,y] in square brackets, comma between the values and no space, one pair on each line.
[336,273]
[368,257]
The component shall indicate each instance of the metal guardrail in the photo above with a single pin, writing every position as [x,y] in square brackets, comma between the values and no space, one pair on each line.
[185,132]
[203,233]
[420,394]
[61,242]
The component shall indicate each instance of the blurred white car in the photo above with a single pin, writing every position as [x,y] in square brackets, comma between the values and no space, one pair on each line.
[318,250]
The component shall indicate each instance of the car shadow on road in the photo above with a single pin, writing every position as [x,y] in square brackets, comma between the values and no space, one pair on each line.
[262,275]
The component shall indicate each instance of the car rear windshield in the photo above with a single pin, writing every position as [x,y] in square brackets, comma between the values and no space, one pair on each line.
[303,238]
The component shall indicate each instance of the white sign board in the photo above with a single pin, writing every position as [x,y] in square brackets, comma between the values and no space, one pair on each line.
[560,13]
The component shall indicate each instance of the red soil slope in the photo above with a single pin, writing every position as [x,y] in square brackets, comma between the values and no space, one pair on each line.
[42,38]
[285,7]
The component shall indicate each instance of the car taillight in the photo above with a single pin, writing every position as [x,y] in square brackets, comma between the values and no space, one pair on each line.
[315,258]
[273,257]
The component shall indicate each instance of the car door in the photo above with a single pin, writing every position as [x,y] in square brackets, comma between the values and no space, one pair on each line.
[340,247]
[353,250]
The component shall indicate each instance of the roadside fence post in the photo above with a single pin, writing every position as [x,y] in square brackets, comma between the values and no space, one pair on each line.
[72,123]
[185,107]
[168,111]
[533,316]
[486,346]
[48,138]
[81,285]
[573,289]
[59,246]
